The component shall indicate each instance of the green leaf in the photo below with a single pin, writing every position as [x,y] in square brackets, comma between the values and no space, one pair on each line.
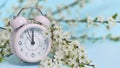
[95,19]
[115,16]
[84,20]
[1,60]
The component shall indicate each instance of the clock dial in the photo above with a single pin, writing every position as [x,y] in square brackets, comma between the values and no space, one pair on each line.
[32,43]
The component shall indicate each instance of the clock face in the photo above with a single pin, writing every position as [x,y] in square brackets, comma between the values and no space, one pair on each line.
[32,44]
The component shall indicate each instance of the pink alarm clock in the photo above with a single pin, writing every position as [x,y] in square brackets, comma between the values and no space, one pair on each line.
[28,40]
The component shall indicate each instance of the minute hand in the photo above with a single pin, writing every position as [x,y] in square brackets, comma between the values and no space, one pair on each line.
[32,42]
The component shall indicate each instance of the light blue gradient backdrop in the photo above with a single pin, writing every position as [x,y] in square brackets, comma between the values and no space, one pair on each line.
[104,54]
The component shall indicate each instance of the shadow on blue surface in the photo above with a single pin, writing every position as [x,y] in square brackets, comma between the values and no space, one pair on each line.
[16,61]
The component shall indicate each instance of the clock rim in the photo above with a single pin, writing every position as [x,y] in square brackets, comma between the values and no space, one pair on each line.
[19,32]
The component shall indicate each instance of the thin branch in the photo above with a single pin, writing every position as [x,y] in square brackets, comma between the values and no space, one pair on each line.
[70,5]
[91,65]
[81,21]
[2,28]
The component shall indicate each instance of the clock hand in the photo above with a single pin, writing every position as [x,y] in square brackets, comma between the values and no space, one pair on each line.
[32,42]
[28,34]
[29,39]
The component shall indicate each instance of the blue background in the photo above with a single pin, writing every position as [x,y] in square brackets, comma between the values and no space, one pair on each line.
[104,54]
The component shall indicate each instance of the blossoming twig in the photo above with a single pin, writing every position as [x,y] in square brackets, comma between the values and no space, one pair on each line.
[85,37]
[68,6]
[72,4]
[99,19]
[81,21]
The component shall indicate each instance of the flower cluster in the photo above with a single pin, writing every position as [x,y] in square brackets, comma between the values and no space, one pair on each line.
[4,44]
[64,51]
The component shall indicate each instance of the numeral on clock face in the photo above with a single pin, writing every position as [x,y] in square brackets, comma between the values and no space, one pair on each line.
[32,55]
[20,43]
[21,49]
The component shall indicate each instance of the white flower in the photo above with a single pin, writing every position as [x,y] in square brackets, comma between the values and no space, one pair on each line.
[89,20]
[46,63]
[111,21]
[46,34]
[59,55]
[100,18]
[67,35]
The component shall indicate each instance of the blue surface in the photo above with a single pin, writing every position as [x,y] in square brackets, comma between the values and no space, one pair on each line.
[104,54]
[13,62]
